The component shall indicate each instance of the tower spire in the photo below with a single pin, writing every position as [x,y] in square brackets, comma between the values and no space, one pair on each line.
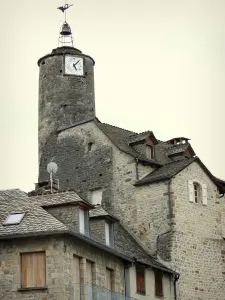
[65,35]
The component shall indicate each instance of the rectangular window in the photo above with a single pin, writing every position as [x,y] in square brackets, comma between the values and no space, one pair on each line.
[33,270]
[83,221]
[158,283]
[140,280]
[109,236]
[96,197]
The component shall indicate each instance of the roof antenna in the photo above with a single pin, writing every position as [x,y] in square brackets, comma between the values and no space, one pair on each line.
[52,168]
[65,36]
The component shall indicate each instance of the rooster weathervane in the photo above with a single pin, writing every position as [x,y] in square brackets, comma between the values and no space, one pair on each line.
[64,8]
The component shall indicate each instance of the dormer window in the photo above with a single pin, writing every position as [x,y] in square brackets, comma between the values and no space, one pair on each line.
[150,151]
[83,221]
[109,234]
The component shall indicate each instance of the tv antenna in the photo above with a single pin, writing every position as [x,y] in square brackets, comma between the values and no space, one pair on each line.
[52,168]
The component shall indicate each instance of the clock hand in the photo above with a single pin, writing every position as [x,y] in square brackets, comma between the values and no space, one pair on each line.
[74,65]
[77,62]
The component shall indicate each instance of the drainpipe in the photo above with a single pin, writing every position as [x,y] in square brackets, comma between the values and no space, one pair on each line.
[169,198]
[176,277]
[136,167]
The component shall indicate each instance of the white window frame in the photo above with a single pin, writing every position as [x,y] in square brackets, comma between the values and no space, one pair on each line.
[83,221]
[109,234]
[202,192]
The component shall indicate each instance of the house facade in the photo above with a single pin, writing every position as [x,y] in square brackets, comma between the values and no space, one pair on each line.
[50,249]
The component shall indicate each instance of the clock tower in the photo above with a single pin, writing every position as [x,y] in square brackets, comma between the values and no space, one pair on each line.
[66,94]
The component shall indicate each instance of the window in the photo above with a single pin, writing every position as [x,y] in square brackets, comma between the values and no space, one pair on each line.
[149,151]
[109,234]
[140,280]
[14,218]
[33,270]
[197,192]
[96,197]
[83,221]
[158,283]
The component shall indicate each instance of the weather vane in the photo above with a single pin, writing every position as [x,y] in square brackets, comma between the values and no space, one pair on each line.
[64,8]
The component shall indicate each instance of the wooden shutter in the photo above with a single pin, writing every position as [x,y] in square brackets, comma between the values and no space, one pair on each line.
[191,190]
[108,279]
[158,283]
[39,268]
[140,280]
[33,269]
[204,194]
[76,277]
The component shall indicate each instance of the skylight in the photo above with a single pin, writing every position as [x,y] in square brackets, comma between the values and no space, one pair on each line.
[14,218]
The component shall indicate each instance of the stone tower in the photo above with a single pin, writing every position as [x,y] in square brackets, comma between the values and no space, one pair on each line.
[66,96]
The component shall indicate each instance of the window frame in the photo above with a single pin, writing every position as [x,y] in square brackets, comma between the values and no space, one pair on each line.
[32,270]
[149,151]
[109,226]
[140,290]
[12,214]
[85,221]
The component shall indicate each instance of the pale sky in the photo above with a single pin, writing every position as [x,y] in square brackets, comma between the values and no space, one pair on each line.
[160,66]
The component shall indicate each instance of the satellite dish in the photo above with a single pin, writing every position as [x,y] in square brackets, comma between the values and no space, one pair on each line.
[52,167]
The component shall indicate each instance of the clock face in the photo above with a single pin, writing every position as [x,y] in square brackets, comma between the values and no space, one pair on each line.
[74,65]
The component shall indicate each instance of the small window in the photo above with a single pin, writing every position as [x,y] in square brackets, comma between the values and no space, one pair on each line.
[158,283]
[197,193]
[96,197]
[149,151]
[109,234]
[140,280]
[14,219]
[33,271]
[90,146]
[83,221]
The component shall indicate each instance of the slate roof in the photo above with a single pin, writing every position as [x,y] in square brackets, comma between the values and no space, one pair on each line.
[36,219]
[121,138]
[38,222]
[166,172]
[99,211]
[67,197]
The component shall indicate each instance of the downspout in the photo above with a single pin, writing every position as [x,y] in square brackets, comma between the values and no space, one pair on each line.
[136,167]
[176,277]
[169,199]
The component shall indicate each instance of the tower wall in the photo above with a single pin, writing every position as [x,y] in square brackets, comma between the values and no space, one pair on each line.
[63,99]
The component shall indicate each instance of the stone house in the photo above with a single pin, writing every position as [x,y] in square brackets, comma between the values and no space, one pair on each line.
[59,247]
[161,192]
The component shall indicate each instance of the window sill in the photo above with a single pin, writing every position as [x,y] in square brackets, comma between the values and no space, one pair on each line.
[159,296]
[42,288]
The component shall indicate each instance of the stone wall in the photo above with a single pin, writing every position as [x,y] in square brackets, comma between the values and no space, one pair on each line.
[59,259]
[197,251]
[97,229]
[68,214]
[80,167]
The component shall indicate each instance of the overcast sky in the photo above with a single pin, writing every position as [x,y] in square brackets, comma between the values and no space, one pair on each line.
[160,66]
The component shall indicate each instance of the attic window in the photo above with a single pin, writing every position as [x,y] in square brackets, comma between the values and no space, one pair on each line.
[14,219]
[109,234]
[149,151]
